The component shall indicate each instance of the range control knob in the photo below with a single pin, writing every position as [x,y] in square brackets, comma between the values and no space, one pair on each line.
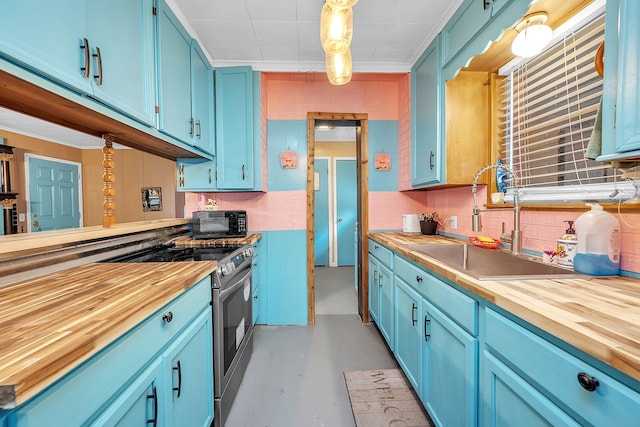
[227,268]
[248,252]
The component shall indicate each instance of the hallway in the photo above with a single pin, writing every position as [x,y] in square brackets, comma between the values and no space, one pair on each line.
[295,377]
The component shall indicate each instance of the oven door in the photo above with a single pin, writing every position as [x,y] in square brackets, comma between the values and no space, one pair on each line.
[232,317]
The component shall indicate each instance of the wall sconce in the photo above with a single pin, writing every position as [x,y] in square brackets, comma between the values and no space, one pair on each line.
[382,162]
[289,159]
[339,68]
[533,35]
[336,28]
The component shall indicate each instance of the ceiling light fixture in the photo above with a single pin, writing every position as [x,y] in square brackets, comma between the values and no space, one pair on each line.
[339,67]
[533,35]
[336,31]
[336,28]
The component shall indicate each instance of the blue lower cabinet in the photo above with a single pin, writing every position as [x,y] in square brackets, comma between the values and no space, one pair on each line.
[140,401]
[511,401]
[450,372]
[409,332]
[135,380]
[188,367]
[567,381]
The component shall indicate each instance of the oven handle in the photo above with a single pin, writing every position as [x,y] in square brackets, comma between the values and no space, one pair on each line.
[235,285]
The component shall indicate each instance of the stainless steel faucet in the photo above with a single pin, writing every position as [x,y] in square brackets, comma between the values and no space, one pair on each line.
[476,222]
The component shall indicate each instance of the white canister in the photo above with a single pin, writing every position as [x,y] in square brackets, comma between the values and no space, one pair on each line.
[410,223]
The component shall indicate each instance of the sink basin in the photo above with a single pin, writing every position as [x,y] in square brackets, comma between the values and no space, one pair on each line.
[489,264]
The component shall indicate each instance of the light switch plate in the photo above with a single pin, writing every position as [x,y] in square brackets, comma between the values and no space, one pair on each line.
[454,222]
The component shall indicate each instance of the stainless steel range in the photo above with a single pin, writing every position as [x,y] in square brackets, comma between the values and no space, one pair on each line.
[232,312]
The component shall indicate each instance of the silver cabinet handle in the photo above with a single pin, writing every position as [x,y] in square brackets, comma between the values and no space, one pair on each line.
[198,129]
[87,57]
[98,76]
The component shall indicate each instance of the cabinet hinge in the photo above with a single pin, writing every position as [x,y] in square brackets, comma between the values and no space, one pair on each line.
[157,109]
[155,11]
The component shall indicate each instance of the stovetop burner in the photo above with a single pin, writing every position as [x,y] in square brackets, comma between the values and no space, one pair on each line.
[170,253]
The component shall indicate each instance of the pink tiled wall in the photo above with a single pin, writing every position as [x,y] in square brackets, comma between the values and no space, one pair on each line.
[540,229]
[290,96]
[276,210]
[404,135]
[386,208]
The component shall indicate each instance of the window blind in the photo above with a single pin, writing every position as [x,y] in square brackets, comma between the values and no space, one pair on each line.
[548,113]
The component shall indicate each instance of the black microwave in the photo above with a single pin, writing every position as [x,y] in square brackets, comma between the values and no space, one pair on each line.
[219,224]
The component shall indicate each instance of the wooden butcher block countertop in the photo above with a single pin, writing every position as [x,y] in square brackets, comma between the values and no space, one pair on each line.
[51,324]
[231,242]
[598,315]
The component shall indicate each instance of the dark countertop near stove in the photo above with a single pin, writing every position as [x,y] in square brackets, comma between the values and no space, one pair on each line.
[232,242]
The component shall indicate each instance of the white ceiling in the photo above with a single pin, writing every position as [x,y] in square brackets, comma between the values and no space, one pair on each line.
[284,35]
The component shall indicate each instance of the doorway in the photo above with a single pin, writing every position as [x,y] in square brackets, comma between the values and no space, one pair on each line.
[53,196]
[361,225]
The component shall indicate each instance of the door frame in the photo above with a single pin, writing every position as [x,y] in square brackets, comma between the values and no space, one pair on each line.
[333,239]
[27,182]
[362,163]
[329,203]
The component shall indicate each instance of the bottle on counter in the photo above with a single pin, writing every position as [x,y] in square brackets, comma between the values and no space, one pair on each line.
[598,249]
[566,248]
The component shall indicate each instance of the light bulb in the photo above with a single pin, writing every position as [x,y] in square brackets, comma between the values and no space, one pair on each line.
[336,29]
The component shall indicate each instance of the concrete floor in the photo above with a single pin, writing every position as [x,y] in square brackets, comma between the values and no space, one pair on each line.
[295,377]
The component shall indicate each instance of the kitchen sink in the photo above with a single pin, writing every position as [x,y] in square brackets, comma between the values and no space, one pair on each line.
[491,264]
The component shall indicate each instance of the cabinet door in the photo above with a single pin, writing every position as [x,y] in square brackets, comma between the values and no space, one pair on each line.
[449,385]
[427,108]
[374,289]
[511,401]
[234,127]
[122,67]
[140,404]
[621,98]
[385,316]
[202,101]
[196,175]
[174,72]
[28,38]
[408,337]
[189,366]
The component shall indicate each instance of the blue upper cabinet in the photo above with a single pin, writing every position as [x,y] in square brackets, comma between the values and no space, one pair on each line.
[84,52]
[474,25]
[122,59]
[621,94]
[185,87]
[203,108]
[60,53]
[234,99]
[174,72]
[427,105]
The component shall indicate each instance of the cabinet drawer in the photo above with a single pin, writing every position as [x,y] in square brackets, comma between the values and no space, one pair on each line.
[383,254]
[554,372]
[459,307]
[96,381]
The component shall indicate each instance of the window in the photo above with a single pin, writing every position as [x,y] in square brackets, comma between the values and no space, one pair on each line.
[550,107]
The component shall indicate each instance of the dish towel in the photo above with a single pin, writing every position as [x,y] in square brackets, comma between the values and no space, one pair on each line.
[594,147]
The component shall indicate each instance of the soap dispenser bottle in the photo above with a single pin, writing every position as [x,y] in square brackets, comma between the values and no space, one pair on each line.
[567,245]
